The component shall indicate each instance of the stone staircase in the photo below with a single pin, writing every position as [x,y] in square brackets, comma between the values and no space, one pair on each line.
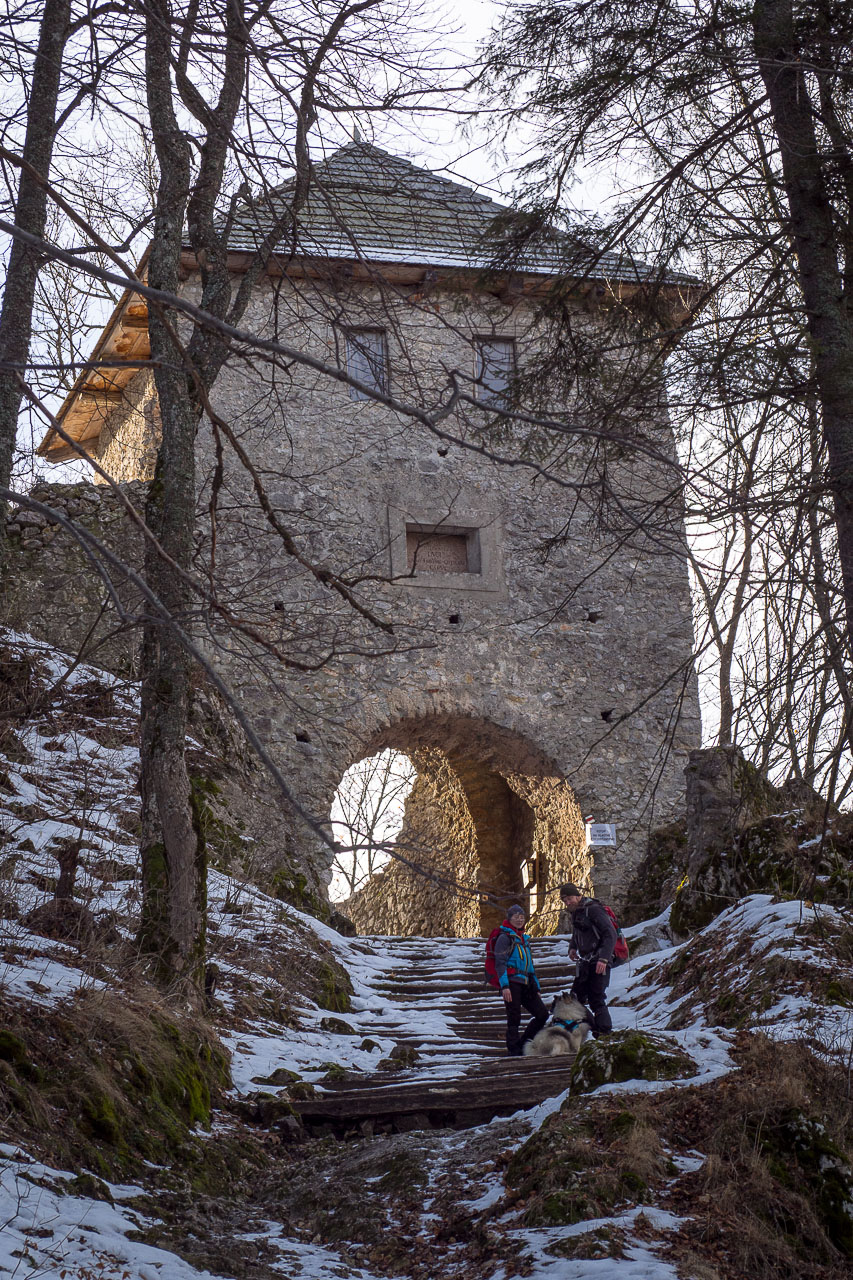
[430,994]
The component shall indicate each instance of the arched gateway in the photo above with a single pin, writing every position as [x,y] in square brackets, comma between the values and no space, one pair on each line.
[538,656]
[489,821]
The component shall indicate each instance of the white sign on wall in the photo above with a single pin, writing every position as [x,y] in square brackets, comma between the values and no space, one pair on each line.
[601,833]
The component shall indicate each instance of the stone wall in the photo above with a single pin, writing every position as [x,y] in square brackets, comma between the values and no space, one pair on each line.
[567,638]
[416,893]
[487,823]
[129,440]
[51,586]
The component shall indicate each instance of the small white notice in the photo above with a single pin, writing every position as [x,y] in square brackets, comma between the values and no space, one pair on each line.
[601,833]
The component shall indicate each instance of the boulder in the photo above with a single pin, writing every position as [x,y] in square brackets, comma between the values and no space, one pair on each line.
[628,1055]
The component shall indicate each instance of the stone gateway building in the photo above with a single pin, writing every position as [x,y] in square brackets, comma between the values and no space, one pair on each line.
[533,664]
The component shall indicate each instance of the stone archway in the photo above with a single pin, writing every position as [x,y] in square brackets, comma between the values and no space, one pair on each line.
[489,821]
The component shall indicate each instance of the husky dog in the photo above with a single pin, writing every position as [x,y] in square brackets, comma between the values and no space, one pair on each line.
[571,1023]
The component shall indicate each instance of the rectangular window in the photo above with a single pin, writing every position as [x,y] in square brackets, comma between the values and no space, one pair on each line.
[367,360]
[441,550]
[495,369]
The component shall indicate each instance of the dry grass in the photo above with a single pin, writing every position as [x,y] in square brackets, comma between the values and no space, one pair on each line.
[767,1202]
[758,1207]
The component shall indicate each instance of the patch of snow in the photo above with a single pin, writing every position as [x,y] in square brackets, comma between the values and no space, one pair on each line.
[44,981]
[307,1261]
[45,1232]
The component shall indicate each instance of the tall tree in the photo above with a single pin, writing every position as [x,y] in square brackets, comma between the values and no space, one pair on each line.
[721,134]
[305,54]
[30,214]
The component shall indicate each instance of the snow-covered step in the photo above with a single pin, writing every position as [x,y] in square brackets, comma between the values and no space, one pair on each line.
[430,993]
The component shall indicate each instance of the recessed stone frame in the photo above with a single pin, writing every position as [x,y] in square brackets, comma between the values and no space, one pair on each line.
[482,533]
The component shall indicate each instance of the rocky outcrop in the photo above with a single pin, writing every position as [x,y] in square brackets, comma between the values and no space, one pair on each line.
[746,836]
[629,1055]
[741,835]
[658,876]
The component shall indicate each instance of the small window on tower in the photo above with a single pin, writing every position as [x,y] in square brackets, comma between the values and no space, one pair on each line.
[495,369]
[367,361]
[441,550]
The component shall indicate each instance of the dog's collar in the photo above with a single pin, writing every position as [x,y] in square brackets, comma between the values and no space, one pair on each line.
[570,1026]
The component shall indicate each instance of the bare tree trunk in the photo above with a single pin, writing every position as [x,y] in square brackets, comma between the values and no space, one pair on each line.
[16,315]
[816,242]
[174,871]
[174,868]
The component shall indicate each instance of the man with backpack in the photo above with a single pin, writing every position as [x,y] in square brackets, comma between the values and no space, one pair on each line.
[509,965]
[592,945]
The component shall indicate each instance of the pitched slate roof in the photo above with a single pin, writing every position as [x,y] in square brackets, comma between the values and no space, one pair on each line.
[363,205]
[368,205]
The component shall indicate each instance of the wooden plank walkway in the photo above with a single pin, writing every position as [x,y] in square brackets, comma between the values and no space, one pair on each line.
[432,997]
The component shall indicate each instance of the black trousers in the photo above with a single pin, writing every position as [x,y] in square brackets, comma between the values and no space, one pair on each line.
[523,994]
[589,987]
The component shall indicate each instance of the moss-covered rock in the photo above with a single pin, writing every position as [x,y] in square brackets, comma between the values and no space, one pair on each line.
[628,1055]
[301,1091]
[291,885]
[86,1184]
[406,1054]
[334,1073]
[335,987]
[264,1108]
[337,1026]
[280,1077]
[390,1064]
[227,847]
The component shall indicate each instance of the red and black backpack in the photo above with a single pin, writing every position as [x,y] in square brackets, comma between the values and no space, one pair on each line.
[491,971]
[620,951]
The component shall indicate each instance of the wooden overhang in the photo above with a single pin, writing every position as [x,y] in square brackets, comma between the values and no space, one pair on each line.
[121,350]
[123,347]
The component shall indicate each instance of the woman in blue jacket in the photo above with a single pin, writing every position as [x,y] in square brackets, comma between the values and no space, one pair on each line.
[518,982]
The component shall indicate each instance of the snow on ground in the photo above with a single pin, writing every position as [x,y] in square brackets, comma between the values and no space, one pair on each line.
[47,1231]
[75,782]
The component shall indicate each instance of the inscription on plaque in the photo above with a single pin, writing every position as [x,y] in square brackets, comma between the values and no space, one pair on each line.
[437,552]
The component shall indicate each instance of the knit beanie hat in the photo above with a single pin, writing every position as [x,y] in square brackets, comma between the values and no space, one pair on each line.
[570,891]
[515,910]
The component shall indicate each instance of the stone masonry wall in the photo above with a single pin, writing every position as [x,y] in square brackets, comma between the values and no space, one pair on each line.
[553,650]
[128,443]
[51,587]
[467,824]
[438,835]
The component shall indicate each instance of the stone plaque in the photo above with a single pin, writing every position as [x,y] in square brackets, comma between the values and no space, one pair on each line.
[437,553]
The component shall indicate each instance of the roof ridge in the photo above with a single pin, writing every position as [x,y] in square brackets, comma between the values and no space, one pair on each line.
[369,203]
[416,169]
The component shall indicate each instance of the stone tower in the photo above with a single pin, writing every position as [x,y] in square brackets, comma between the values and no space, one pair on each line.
[534,666]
